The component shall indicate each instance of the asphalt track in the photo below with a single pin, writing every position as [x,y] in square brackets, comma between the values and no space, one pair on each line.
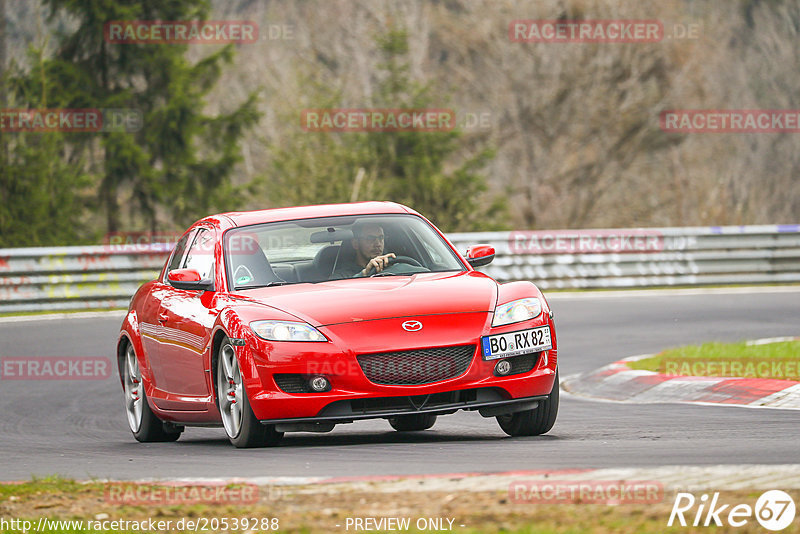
[78,428]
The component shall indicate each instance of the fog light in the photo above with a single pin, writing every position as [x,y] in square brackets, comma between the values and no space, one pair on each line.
[319,384]
[502,368]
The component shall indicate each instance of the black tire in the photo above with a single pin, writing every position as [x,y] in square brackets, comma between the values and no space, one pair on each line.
[250,432]
[253,433]
[154,429]
[532,422]
[144,424]
[412,423]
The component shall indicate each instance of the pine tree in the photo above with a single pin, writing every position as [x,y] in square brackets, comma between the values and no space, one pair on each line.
[43,183]
[180,161]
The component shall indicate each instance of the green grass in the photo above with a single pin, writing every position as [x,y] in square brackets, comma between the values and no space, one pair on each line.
[317,511]
[774,360]
[42,486]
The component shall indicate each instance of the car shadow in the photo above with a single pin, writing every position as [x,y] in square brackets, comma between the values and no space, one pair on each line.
[308,440]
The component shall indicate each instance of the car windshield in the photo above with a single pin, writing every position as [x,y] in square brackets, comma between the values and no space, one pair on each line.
[333,248]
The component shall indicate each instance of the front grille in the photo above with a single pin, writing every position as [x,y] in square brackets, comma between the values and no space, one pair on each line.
[292,383]
[414,367]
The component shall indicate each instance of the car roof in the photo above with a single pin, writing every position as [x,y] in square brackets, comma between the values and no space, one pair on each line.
[245,218]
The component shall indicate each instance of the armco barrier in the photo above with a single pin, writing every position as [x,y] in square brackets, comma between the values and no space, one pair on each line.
[63,278]
[69,278]
[644,257]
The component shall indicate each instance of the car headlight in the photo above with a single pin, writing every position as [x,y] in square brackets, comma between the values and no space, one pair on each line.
[516,311]
[286,331]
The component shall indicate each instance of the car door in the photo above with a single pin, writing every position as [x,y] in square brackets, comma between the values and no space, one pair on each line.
[188,317]
[151,318]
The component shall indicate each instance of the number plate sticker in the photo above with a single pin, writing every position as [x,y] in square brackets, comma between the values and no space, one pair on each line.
[514,343]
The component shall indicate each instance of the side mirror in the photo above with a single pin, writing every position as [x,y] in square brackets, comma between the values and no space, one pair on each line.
[189,279]
[479,255]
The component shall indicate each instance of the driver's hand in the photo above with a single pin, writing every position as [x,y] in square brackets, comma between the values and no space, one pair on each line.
[377,264]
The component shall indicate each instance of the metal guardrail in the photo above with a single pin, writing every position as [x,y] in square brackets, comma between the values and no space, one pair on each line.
[645,257]
[68,278]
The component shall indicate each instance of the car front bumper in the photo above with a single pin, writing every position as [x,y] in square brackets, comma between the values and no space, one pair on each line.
[487,401]
[353,396]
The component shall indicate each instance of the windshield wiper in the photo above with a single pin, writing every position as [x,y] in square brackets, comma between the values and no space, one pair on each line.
[268,284]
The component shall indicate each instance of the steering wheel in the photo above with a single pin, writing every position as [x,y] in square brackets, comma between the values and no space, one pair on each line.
[397,259]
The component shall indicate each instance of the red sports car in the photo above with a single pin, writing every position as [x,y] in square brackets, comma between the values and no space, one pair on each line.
[298,319]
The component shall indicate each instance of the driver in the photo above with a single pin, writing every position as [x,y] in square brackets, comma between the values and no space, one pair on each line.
[369,257]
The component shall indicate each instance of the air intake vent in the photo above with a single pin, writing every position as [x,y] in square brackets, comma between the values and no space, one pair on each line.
[523,363]
[292,383]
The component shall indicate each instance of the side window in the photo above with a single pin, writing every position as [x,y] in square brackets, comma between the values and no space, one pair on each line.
[201,254]
[177,254]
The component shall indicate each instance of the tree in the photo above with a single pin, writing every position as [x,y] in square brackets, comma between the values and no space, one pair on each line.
[180,160]
[43,184]
[412,167]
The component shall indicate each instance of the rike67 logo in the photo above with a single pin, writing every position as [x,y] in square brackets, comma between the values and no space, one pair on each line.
[774,510]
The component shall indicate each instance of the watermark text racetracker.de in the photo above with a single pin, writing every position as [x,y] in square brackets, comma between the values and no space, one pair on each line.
[596,241]
[377,120]
[71,120]
[54,368]
[180,32]
[598,31]
[410,370]
[146,242]
[730,121]
[585,31]
[741,367]
[163,242]
[586,491]
[180,493]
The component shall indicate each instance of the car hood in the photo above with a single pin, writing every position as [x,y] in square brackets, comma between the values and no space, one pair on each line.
[366,299]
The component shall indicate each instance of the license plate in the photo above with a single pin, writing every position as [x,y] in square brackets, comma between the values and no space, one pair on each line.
[514,343]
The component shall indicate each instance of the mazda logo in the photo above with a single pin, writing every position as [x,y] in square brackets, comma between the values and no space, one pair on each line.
[412,326]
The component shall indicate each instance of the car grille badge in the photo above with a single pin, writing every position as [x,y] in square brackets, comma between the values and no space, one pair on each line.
[412,326]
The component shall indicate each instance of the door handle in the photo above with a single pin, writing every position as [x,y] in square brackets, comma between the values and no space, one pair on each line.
[162,318]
